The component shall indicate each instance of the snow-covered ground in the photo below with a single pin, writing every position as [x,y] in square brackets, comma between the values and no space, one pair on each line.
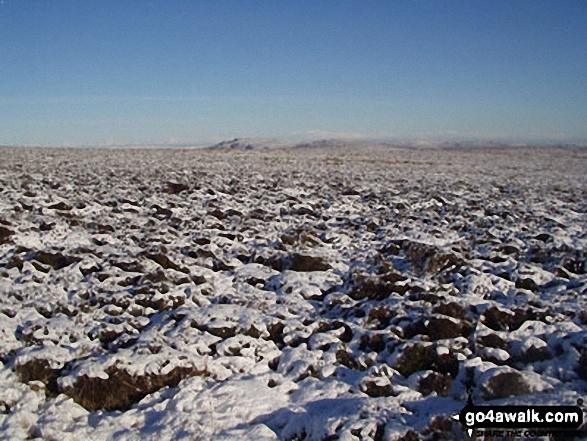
[348,292]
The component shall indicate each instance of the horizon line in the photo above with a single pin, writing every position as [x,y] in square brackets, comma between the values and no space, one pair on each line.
[402,141]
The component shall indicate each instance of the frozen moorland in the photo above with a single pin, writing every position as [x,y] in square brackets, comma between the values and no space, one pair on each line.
[326,292]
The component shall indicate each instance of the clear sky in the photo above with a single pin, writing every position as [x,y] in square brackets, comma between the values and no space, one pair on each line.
[139,71]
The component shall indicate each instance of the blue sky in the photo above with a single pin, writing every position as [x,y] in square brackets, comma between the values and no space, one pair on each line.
[141,71]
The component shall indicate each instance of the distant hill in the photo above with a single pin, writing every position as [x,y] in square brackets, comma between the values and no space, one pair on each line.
[253,144]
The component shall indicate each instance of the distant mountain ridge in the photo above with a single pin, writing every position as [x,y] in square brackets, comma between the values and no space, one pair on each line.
[245,144]
[253,144]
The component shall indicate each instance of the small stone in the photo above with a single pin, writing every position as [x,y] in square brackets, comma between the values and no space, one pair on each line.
[5,233]
[90,270]
[218,214]
[544,237]
[176,188]
[415,357]
[378,287]
[380,317]
[254,331]
[305,263]
[502,382]
[498,319]
[526,283]
[162,260]
[435,382]
[494,355]
[54,260]
[373,342]
[377,388]
[511,249]
[129,266]
[161,210]
[492,341]
[275,330]
[346,359]
[451,309]
[221,330]
[431,259]
[100,228]
[440,328]
[44,226]
[62,206]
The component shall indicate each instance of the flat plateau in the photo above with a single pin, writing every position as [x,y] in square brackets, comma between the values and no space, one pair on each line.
[333,292]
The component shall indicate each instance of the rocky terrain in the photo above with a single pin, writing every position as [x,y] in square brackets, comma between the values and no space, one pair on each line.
[317,293]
